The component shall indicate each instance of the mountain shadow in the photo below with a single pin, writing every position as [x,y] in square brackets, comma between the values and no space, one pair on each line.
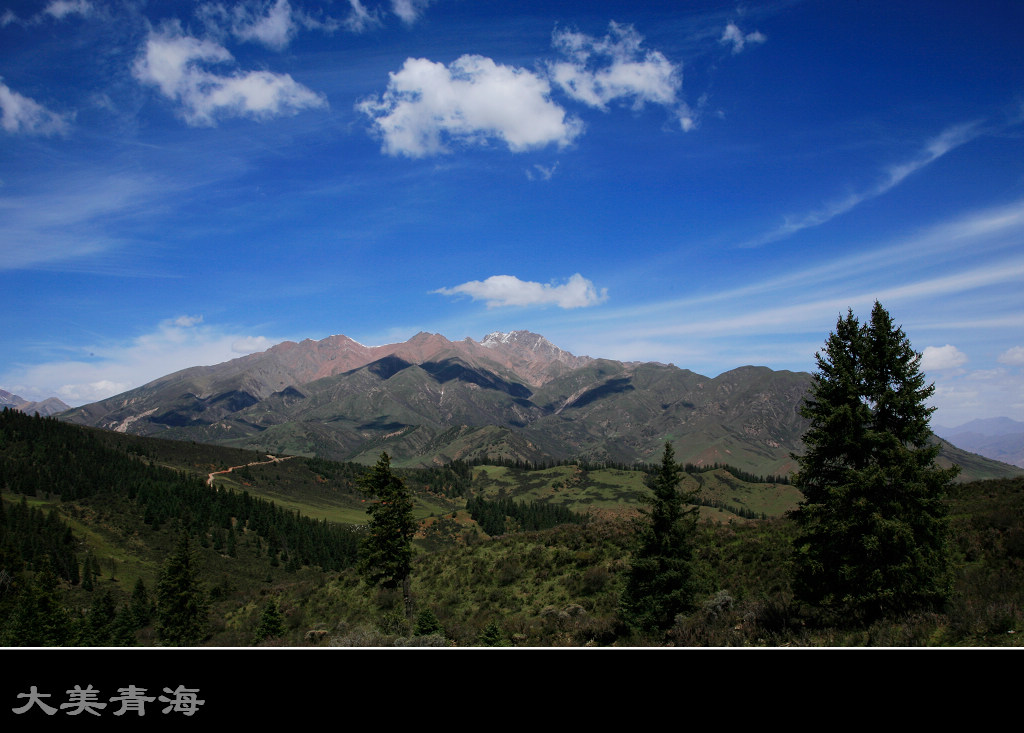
[387,367]
[453,369]
[612,386]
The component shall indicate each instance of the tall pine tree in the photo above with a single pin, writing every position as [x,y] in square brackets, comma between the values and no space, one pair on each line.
[271,624]
[872,539]
[386,552]
[181,601]
[660,581]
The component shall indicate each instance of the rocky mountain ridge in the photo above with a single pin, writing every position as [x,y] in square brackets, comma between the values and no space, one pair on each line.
[428,400]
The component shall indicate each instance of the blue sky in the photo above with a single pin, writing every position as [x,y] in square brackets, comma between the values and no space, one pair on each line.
[709,184]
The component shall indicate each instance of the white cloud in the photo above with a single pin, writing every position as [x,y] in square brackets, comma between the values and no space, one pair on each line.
[1013,357]
[179,66]
[472,101]
[61,8]
[960,397]
[24,115]
[271,25]
[251,344]
[174,344]
[942,357]
[615,68]
[76,394]
[733,35]
[409,10]
[507,290]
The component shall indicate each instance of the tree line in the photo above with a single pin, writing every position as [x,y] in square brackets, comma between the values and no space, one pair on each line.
[690,468]
[500,515]
[42,456]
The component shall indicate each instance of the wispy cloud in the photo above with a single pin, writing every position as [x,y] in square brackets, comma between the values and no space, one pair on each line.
[541,172]
[61,8]
[733,36]
[22,115]
[409,10]
[988,233]
[934,149]
[359,19]
[799,314]
[270,23]
[103,370]
[54,10]
[180,67]
[474,100]
[805,302]
[72,219]
[508,290]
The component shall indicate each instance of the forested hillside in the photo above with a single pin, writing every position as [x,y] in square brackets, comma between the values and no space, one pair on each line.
[96,525]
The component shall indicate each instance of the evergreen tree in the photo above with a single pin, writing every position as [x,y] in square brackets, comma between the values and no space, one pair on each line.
[872,530]
[96,629]
[181,603]
[123,630]
[427,623]
[39,617]
[660,581]
[492,635]
[271,625]
[387,548]
[140,605]
[87,575]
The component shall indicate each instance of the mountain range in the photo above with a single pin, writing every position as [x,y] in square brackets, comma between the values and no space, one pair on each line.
[513,396]
[45,408]
[999,438]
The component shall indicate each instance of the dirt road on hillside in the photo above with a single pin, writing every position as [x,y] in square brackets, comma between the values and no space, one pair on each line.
[271,459]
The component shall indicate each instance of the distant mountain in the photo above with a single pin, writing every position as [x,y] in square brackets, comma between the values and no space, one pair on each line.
[47,407]
[202,395]
[999,438]
[10,400]
[512,395]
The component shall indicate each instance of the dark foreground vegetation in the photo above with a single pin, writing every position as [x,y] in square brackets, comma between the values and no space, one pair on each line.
[103,544]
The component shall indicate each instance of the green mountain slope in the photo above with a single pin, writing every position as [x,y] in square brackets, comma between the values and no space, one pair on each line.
[110,508]
[513,396]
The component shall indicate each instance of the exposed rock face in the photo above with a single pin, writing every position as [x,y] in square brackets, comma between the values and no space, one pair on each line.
[531,356]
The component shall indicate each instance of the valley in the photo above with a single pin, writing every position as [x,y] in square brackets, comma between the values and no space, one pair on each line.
[289,530]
